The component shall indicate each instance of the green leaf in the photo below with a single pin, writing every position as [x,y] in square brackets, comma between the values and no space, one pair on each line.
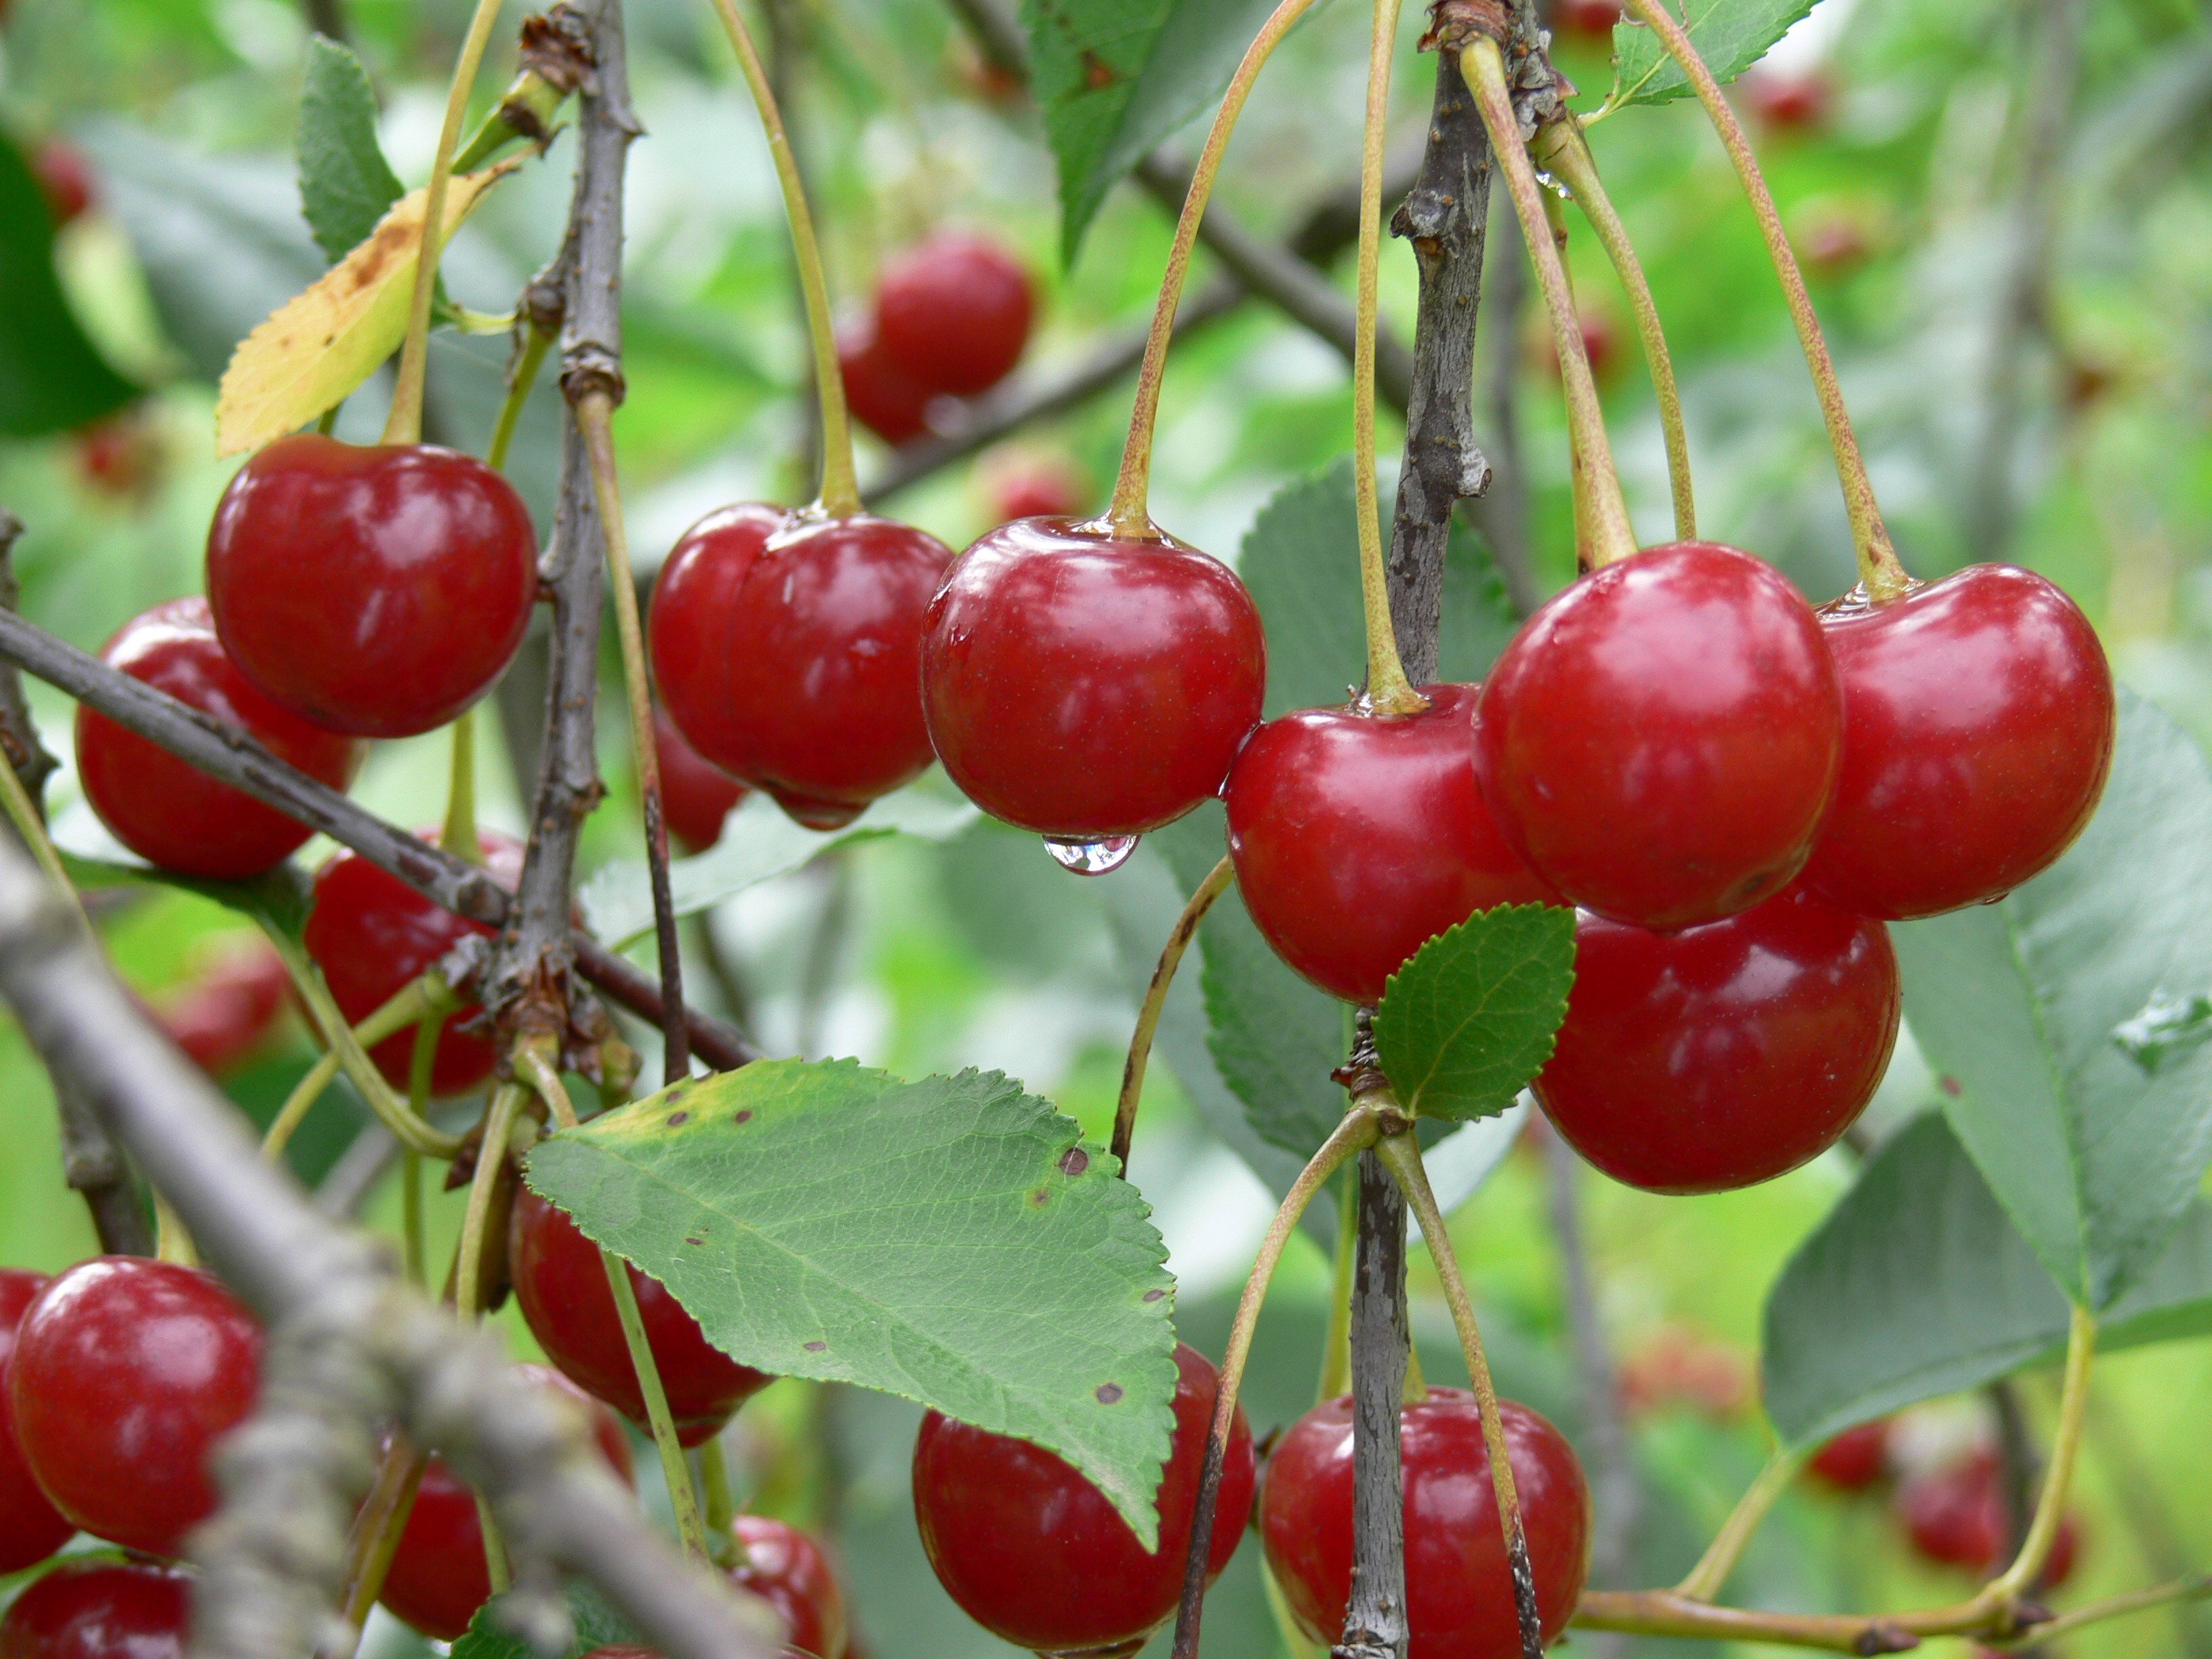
[1470,1019]
[1918,1285]
[1730,35]
[281,897]
[950,1240]
[2041,1015]
[596,1622]
[51,380]
[345,184]
[1113,78]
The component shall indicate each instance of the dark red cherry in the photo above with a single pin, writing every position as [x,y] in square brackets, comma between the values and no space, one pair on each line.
[97,1609]
[1660,740]
[31,1528]
[954,313]
[788,1570]
[1978,734]
[168,811]
[1013,1530]
[1357,837]
[879,394]
[563,1292]
[1789,103]
[1584,20]
[1722,1055]
[788,1651]
[787,648]
[1459,1590]
[379,589]
[1086,686]
[125,1373]
[228,1013]
[1854,1460]
[372,935]
[1954,1516]
[64,178]
[696,795]
[437,1580]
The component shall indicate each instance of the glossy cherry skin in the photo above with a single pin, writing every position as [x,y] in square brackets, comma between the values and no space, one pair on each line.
[563,1289]
[1722,1056]
[168,811]
[1358,837]
[226,1014]
[1660,740]
[879,394]
[696,795]
[954,313]
[787,649]
[1854,1460]
[96,1609]
[788,1570]
[31,1528]
[437,1580]
[371,934]
[376,590]
[125,1373]
[1954,1516]
[1014,1533]
[1082,685]
[1459,1590]
[1978,734]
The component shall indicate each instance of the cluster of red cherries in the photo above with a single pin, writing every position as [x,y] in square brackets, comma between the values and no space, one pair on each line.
[950,319]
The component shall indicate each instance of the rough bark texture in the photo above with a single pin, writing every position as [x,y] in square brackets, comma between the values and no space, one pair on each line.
[1375,1619]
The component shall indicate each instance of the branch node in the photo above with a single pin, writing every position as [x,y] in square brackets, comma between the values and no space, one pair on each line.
[589,367]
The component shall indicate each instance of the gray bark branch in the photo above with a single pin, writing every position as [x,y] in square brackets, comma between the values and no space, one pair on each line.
[1375,1623]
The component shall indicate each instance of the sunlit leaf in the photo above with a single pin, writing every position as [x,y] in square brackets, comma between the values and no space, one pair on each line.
[1730,35]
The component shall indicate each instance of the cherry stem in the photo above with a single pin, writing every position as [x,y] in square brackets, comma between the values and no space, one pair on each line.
[172,1241]
[404,424]
[1355,1132]
[416,1002]
[722,1508]
[840,485]
[1336,1345]
[1401,1154]
[23,813]
[375,1539]
[2058,1475]
[1706,1579]
[1879,569]
[1156,996]
[457,835]
[1564,151]
[536,342]
[1598,502]
[2197,1587]
[1127,514]
[595,422]
[420,1063]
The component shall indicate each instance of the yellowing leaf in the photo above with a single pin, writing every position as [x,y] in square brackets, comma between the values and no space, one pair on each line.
[325,341]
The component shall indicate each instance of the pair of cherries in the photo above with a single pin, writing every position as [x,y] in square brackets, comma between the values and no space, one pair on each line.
[950,317]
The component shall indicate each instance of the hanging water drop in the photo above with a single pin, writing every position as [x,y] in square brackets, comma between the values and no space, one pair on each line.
[1091,858]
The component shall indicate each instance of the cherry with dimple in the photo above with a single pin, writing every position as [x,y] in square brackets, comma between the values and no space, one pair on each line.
[1009,1526]
[695,794]
[1711,1059]
[31,1528]
[953,314]
[788,1570]
[100,1609]
[1358,837]
[375,590]
[168,811]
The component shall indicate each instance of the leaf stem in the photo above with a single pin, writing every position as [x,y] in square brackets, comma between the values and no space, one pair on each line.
[1355,1131]
[2197,1587]
[721,1508]
[1598,489]
[404,424]
[1706,1579]
[840,487]
[1127,514]
[1879,569]
[1561,148]
[1156,996]
[2058,1476]
[419,1000]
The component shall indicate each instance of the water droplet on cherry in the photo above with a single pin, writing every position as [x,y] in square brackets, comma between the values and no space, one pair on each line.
[1092,858]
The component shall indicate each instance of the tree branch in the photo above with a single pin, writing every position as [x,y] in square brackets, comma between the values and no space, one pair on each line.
[1375,1625]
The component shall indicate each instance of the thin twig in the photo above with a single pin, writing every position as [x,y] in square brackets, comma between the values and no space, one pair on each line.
[1156,996]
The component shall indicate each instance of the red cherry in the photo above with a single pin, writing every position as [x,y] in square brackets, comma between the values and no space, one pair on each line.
[1459,1590]
[788,1570]
[124,1374]
[166,810]
[377,590]
[31,1528]
[1789,103]
[437,1580]
[880,395]
[1086,686]
[696,795]
[64,178]
[95,1609]
[953,312]
[119,454]
[1357,837]
[1584,19]
[1954,1516]
[371,934]
[226,1014]
[1854,1460]
[1660,740]
[787,648]
[1013,1530]
[1977,733]
[1034,487]
[1714,1058]
[563,1292]
[1676,1366]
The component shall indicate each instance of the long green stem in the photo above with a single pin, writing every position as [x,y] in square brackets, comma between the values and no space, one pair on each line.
[1705,1579]
[1597,489]
[420,999]
[421,1063]
[404,424]
[721,1508]
[457,835]
[2058,1476]
[2195,1588]
[375,1539]
[841,487]
[1127,513]
[1885,578]
[1336,1344]
[1564,152]
[519,380]
[499,1119]
[1156,996]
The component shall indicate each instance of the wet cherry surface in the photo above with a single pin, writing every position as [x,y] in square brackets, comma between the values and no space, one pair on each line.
[100,1610]
[787,1569]
[31,1528]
